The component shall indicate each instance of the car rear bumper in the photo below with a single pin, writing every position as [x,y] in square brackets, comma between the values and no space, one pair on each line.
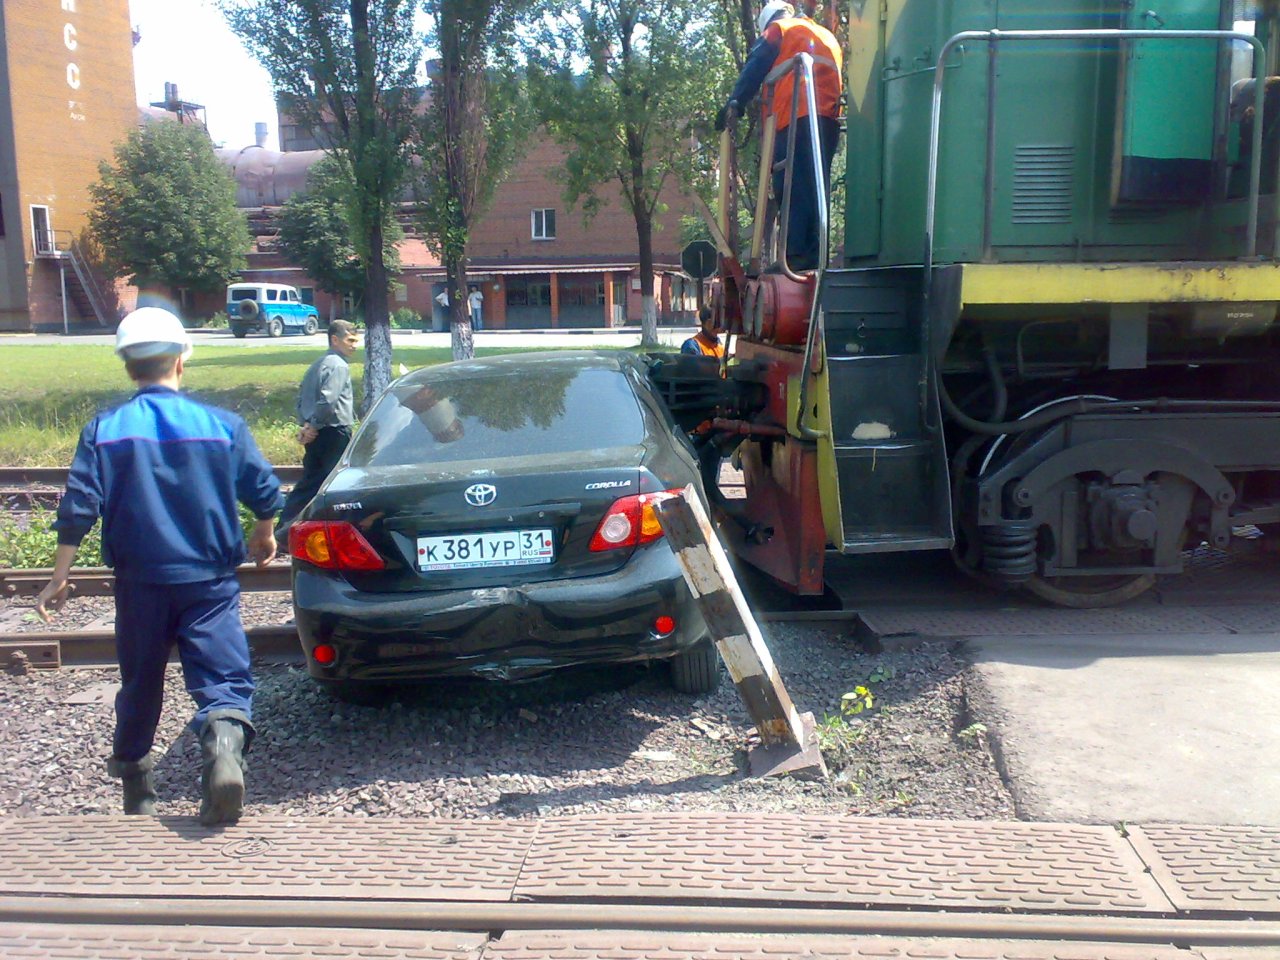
[502,633]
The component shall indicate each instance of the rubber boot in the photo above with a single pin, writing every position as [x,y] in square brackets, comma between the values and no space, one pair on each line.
[222,777]
[139,784]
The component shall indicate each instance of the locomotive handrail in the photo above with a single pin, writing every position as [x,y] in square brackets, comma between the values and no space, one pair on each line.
[802,64]
[995,36]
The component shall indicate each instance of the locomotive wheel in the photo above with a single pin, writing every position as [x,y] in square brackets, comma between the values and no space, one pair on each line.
[1091,593]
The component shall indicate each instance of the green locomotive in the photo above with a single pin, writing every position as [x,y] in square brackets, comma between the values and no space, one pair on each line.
[1050,344]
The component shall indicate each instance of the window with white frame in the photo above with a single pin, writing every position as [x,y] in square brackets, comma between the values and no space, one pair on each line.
[543,224]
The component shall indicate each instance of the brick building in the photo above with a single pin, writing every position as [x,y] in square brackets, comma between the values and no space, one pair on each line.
[537,263]
[66,97]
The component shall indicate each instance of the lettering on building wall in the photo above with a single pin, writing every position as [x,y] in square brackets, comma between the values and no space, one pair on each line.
[71,40]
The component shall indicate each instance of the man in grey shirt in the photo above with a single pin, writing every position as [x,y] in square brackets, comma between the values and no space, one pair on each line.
[326,412]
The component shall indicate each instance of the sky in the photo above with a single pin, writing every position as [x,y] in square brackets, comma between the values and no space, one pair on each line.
[187,42]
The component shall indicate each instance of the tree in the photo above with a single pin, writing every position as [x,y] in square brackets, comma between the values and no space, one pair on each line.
[348,70]
[316,235]
[164,211]
[623,85]
[475,125]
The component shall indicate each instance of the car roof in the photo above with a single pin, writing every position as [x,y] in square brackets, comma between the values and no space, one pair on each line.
[551,361]
[252,285]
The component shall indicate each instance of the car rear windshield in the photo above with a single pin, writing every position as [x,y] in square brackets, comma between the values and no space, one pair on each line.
[243,294]
[486,416]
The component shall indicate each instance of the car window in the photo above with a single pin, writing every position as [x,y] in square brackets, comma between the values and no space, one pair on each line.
[271,294]
[243,294]
[293,296]
[508,415]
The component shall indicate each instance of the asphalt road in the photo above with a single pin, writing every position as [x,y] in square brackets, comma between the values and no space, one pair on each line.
[1160,711]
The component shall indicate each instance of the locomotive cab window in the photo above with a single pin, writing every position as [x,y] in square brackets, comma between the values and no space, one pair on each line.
[1259,20]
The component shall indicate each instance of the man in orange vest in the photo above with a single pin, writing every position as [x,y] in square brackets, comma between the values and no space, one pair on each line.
[783,35]
[706,342]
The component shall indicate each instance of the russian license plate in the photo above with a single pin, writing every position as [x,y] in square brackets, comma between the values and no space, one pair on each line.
[506,548]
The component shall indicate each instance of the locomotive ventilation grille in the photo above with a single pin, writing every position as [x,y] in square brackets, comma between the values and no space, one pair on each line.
[1043,183]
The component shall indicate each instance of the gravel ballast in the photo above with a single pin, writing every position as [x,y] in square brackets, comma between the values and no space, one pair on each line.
[611,740]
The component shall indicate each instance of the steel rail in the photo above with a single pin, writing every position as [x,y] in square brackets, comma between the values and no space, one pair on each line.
[100,581]
[53,649]
[57,476]
[668,917]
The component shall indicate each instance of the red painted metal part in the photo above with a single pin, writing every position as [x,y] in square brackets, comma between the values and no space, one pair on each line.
[775,309]
[781,477]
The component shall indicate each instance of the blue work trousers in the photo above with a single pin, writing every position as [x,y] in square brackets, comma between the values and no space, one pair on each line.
[803,241]
[203,619]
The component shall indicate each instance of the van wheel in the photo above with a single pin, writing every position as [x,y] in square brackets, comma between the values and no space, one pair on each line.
[275,327]
[311,326]
[239,332]
[696,670]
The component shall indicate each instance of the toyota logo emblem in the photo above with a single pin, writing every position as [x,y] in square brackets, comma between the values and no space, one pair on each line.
[481,494]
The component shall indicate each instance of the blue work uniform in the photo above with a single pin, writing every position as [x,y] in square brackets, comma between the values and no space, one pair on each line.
[165,474]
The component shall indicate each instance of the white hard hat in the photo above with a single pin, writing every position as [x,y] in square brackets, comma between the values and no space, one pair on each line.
[152,332]
[771,10]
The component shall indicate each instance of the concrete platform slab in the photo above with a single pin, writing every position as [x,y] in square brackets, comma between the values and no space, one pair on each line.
[817,860]
[1213,868]
[1142,728]
[38,941]
[264,857]
[624,945]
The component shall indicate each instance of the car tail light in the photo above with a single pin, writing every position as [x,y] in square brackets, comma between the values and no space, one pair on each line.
[630,522]
[333,545]
[664,625]
[324,654]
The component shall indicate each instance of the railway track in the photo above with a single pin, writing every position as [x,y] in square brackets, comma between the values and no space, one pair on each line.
[26,488]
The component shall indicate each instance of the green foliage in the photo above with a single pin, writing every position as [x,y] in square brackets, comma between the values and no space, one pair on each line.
[626,86]
[32,543]
[348,70]
[316,232]
[477,123]
[41,416]
[973,733]
[856,700]
[406,319]
[164,211]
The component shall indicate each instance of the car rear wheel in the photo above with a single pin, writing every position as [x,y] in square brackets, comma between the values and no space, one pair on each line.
[696,670]
[275,327]
[311,326]
[359,693]
[239,332]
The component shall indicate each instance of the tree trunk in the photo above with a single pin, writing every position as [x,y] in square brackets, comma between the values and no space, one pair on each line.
[459,311]
[649,319]
[377,349]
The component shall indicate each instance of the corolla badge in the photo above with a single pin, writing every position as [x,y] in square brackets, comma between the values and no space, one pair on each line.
[481,494]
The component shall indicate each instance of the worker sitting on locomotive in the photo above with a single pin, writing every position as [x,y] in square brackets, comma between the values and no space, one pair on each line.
[783,35]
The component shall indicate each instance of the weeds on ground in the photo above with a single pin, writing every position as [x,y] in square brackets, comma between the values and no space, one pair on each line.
[33,541]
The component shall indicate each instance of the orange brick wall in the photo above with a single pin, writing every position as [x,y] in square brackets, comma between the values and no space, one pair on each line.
[70,72]
[504,230]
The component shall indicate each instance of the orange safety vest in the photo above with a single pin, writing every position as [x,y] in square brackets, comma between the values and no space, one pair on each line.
[804,36]
[708,349]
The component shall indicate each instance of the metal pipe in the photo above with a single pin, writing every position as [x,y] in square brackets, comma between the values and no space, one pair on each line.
[989,180]
[66,911]
[789,166]
[815,306]
[767,138]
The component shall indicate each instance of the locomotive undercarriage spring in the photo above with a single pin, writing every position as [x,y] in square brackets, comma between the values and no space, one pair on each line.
[1009,550]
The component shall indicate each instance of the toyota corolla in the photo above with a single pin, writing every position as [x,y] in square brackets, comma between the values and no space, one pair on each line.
[494,518]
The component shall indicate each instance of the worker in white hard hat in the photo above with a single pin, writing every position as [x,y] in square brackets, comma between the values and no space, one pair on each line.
[165,474]
[783,35]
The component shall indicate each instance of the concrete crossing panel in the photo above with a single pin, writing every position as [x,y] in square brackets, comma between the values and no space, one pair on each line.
[264,857]
[39,941]
[1022,866]
[1218,868]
